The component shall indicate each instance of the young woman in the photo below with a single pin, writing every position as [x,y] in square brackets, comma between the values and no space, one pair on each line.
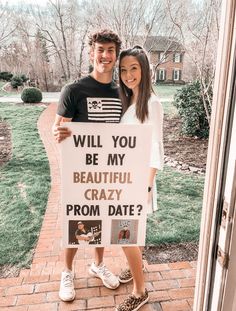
[140,106]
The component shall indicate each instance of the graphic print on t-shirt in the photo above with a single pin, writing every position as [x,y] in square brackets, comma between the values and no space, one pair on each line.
[104,109]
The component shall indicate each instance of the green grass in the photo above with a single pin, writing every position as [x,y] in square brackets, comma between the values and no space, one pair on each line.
[166,91]
[2,93]
[180,204]
[169,108]
[166,95]
[24,186]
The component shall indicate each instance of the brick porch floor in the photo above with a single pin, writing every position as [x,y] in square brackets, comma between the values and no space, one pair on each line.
[171,286]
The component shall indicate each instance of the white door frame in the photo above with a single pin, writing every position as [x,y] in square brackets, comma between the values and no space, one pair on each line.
[212,200]
[228,289]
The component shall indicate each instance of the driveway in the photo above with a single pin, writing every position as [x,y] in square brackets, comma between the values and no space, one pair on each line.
[15,98]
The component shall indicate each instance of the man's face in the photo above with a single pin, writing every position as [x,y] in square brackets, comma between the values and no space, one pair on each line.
[81,226]
[103,56]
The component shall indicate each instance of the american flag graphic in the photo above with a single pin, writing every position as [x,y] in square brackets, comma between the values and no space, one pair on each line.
[104,109]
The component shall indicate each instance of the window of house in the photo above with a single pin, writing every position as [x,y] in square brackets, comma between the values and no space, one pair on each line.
[162,57]
[176,74]
[161,75]
[177,58]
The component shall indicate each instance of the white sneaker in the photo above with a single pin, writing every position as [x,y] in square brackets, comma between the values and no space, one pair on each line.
[67,291]
[107,277]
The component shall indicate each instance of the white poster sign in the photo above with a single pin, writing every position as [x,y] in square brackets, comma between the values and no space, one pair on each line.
[105,169]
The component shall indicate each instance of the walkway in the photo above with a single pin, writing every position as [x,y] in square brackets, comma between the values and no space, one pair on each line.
[48,97]
[171,286]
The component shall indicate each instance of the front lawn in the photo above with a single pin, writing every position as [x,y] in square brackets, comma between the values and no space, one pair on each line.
[2,93]
[179,194]
[165,90]
[166,94]
[180,204]
[25,183]
[24,186]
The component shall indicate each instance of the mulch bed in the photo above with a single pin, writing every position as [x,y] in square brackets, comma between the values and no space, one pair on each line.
[5,143]
[167,253]
[189,150]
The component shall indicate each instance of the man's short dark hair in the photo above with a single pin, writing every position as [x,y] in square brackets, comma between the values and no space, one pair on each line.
[105,36]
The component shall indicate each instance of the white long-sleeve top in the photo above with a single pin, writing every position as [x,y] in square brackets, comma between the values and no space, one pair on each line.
[155,119]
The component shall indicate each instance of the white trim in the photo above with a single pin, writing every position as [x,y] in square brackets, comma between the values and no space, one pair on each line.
[178,74]
[163,57]
[177,57]
[215,149]
[161,71]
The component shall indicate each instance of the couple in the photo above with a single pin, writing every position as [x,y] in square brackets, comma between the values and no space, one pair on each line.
[96,98]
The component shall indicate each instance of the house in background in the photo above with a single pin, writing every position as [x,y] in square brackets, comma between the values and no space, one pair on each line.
[166,58]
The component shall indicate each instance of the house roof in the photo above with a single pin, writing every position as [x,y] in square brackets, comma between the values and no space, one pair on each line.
[161,44]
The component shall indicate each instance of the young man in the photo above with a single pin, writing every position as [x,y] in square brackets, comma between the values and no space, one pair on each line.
[91,99]
[84,235]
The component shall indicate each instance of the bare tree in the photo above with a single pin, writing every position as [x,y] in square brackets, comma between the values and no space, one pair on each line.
[7,29]
[62,26]
[65,30]
[133,20]
[53,30]
[82,47]
[198,28]
[7,21]
[42,63]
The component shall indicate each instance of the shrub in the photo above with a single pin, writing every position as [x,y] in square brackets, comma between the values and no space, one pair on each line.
[16,81]
[188,100]
[31,95]
[23,77]
[6,76]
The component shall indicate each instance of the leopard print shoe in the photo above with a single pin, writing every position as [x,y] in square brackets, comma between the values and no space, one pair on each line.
[125,276]
[132,303]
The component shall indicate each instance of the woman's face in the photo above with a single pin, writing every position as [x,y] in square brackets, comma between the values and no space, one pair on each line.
[130,72]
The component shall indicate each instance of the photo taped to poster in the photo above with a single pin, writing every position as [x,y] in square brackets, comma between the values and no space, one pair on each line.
[85,232]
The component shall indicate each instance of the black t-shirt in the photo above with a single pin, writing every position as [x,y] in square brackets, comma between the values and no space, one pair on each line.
[84,232]
[81,232]
[88,100]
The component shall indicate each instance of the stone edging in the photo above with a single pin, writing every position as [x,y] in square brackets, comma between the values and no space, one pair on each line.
[186,168]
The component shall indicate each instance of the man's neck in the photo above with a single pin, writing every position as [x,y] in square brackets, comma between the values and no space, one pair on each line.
[102,77]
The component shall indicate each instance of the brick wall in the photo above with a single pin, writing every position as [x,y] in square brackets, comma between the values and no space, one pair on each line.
[168,65]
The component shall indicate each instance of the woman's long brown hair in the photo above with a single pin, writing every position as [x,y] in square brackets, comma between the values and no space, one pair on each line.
[145,86]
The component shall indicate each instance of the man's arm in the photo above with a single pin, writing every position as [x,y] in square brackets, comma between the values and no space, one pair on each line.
[60,132]
[82,237]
